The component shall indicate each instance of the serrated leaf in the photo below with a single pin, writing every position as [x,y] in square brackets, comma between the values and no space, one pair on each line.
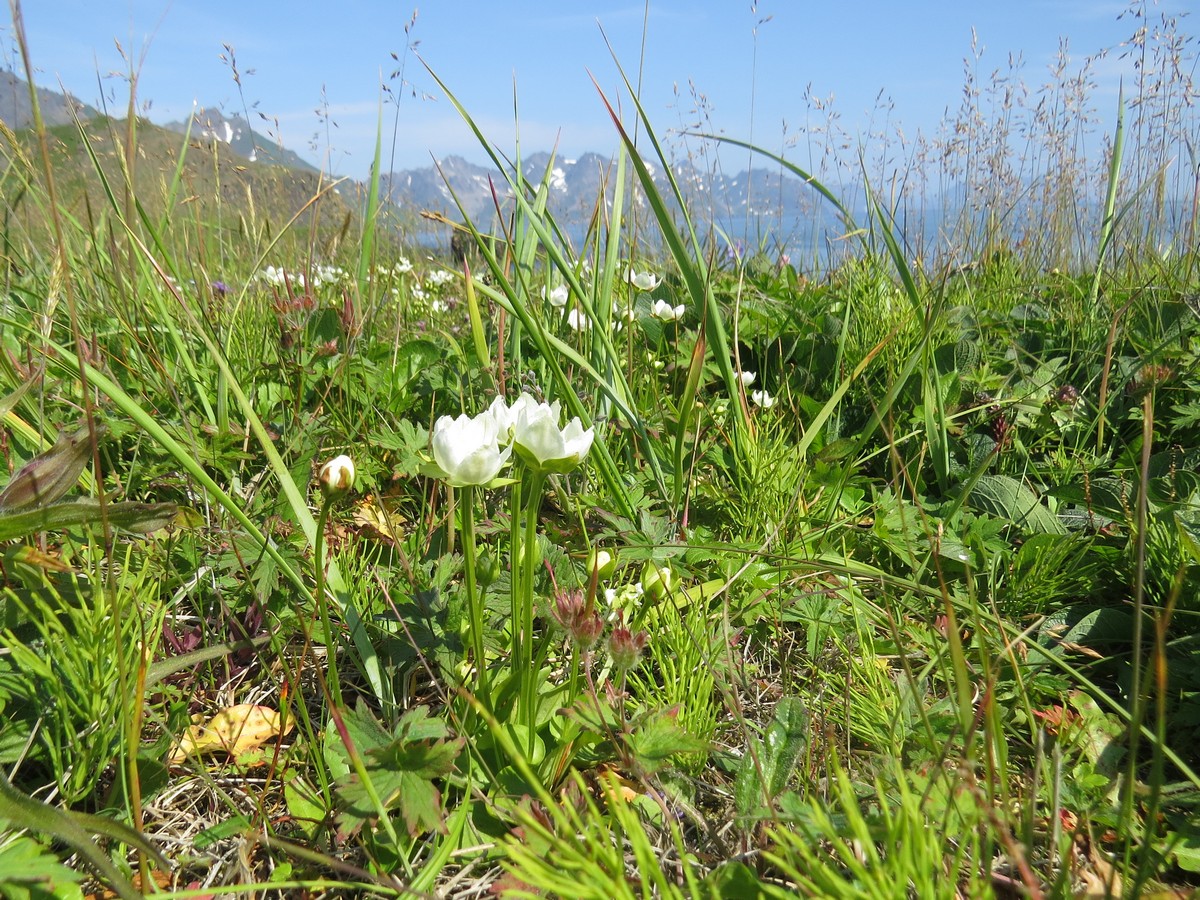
[1010,499]
[401,767]
[660,738]
[1186,852]
[24,861]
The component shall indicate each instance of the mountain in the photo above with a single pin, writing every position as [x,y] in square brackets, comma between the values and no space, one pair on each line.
[215,184]
[235,132]
[574,185]
[16,110]
[229,173]
[227,157]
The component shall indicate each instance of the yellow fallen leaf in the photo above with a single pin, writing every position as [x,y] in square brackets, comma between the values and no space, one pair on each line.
[235,730]
[383,523]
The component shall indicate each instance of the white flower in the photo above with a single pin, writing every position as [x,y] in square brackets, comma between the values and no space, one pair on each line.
[327,275]
[763,399]
[642,281]
[747,378]
[543,445]
[336,476]
[629,314]
[558,296]
[402,267]
[505,416]
[665,311]
[438,278]
[467,449]
[578,320]
[272,275]
[418,294]
[438,306]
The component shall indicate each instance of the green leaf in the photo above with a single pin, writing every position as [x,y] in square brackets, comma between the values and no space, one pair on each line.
[136,517]
[25,862]
[1186,852]
[764,772]
[660,738]
[733,881]
[1010,499]
[219,832]
[73,828]
[48,476]
[304,804]
[401,768]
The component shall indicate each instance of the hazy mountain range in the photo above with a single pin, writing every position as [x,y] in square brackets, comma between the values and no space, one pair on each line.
[574,185]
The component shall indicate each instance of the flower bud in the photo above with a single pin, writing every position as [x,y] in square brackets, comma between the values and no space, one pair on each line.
[602,563]
[657,579]
[336,477]
[625,647]
[535,554]
[577,618]
[486,569]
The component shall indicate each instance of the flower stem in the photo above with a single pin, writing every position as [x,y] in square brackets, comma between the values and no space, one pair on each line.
[474,600]
[335,693]
[529,562]
[517,576]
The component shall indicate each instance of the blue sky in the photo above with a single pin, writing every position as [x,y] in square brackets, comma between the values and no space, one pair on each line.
[739,57]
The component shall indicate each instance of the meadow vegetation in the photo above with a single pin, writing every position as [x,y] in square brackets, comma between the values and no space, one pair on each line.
[635,566]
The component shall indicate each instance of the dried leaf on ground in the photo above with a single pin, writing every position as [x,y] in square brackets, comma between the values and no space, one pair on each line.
[235,730]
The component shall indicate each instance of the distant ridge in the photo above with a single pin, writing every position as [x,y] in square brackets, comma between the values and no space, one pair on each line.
[574,185]
[235,133]
[16,110]
[742,202]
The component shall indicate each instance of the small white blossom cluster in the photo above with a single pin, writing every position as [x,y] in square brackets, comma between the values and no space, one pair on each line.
[320,275]
[439,278]
[277,277]
[626,597]
[327,275]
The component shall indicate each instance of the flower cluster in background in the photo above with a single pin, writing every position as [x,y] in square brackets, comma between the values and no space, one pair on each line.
[317,276]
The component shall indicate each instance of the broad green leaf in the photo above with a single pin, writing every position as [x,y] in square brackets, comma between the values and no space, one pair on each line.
[25,862]
[401,768]
[764,770]
[1008,498]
